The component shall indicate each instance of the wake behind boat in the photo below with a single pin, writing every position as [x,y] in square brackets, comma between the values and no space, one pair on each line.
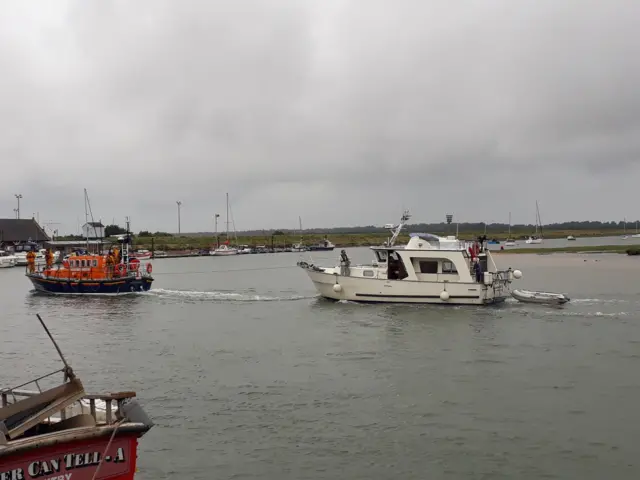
[429,269]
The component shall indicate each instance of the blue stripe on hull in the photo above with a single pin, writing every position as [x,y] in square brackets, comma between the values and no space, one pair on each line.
[110,287]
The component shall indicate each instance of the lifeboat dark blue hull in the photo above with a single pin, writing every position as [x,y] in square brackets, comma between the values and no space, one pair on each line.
[116,286]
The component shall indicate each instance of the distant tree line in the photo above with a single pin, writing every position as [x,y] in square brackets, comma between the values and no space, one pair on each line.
[111,230]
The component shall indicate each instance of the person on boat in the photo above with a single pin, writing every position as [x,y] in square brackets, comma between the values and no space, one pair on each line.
[48,256]
[345,263]
[478,270]
[31,261]
[111,261]
[116,254]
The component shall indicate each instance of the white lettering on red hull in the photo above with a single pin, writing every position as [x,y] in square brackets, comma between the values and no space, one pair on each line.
[63,466]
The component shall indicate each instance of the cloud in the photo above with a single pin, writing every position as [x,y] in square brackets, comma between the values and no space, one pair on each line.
[342,112]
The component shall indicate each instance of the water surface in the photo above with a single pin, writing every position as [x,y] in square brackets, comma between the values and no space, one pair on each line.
[248,375]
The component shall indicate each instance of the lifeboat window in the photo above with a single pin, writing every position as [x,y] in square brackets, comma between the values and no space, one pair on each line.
[428,266]
[367,273]
[95,263]
[448,267]
[82,264]
[77,263]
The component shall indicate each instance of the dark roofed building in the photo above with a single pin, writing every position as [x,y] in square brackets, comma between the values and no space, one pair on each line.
[15,231]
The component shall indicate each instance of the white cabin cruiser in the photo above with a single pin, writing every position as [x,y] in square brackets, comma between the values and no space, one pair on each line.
[429,269]
[7,259]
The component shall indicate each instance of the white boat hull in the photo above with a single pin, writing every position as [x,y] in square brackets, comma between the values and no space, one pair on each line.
[223,253]
[7,262]
[375,290]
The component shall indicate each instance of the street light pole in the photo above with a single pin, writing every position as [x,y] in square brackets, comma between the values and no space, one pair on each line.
[18,197]
[178,202]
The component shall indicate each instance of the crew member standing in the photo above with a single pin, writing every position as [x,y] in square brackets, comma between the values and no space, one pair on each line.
[110,263]
[49,258]
[31,261]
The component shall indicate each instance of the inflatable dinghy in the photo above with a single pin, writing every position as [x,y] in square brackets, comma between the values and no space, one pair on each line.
[546,298]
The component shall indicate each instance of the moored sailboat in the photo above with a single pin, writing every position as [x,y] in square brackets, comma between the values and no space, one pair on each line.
[509,242]
[226,248]
[536,238]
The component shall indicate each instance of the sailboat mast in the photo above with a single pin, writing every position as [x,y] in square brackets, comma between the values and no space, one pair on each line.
[538,219]
[86,218]
[227,217]
[509,225]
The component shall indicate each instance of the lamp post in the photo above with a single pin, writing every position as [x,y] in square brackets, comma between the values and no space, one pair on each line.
[18,197]
[15,212]
[449,220]
[178,202]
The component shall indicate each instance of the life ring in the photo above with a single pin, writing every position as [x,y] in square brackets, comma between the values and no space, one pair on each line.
[121,269]
[149,268]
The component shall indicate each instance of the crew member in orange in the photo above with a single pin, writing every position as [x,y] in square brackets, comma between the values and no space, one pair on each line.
[110,264]
[31,261]
[49,258]
[116,255]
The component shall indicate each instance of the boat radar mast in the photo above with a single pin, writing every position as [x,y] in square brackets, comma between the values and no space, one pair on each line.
[396,229]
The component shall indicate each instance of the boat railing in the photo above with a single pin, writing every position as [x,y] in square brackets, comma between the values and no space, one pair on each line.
[6,392]
[87,273]
[88,403]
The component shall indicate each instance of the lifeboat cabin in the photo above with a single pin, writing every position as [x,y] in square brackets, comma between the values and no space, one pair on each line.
[92,274]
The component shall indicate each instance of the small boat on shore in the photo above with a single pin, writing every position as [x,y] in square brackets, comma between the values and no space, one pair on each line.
[7,260]
[142,255]
[62,433]
[546,298]
[116,273]
[224,250]
[571,238]
[324,245]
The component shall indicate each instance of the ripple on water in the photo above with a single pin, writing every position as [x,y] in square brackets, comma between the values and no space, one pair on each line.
[247,380]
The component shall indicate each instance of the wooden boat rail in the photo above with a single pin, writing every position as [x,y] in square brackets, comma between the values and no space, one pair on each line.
[13,395]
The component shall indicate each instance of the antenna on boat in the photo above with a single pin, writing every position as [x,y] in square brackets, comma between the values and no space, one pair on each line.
[67,368]
[397,229]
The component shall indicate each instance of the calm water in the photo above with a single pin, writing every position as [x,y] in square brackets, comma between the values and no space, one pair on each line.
[249,376]
[579,242]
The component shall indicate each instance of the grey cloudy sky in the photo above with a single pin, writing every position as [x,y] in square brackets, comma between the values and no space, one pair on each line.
[342,112]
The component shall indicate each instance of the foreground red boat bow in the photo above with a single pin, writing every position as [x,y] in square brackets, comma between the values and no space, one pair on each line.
[74,460]
[63,434]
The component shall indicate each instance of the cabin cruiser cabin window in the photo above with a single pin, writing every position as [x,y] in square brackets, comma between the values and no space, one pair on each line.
[367,273]
[448,267]
[381,256]
[428,266]
[396,269]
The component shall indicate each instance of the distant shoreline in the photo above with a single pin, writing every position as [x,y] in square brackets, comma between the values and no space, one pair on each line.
[628,249]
